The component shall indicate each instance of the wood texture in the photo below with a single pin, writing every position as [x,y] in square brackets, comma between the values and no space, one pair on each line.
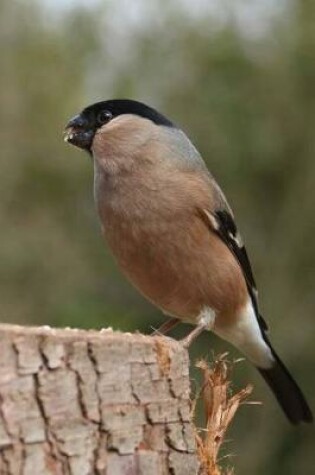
[80,403]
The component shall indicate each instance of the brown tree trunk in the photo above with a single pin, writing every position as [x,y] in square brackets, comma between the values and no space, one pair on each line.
[78,402]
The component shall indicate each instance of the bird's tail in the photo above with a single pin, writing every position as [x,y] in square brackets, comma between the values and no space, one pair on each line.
[286,390]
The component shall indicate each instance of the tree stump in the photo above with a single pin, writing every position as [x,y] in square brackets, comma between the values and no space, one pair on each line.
[84,402]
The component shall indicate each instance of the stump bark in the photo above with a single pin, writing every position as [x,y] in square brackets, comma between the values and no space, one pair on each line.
[84,402]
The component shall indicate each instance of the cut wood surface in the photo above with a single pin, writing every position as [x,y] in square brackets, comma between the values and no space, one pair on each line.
[84,402]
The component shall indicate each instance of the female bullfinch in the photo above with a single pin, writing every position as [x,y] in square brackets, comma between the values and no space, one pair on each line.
[173,233]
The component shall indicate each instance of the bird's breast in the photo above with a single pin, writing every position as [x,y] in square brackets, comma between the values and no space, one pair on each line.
[164,248]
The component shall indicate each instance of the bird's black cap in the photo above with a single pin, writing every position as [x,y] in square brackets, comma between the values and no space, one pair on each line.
[127,106]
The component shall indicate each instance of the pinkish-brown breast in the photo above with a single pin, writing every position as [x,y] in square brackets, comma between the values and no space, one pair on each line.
[164,247]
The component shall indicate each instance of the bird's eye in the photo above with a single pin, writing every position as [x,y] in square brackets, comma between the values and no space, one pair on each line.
[104,116]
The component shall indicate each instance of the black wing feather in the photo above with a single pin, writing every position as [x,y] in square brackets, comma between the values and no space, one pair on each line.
[227,231]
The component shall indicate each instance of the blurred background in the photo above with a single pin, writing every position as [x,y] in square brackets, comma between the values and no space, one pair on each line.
[239,77]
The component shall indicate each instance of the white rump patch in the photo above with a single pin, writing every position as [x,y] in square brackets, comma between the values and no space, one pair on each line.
[246,335]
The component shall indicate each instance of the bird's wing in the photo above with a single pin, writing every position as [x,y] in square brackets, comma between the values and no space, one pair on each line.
[222,222]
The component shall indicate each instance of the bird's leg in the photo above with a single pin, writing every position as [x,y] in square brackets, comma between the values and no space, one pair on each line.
[187,341]
[205,321]
[165,327]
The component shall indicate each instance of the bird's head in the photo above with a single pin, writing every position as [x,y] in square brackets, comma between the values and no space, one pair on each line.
[82,129]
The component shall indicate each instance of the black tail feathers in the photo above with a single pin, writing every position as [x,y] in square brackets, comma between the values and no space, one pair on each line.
[287,392]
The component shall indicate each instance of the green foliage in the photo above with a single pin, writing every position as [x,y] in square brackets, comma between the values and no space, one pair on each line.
[246,101]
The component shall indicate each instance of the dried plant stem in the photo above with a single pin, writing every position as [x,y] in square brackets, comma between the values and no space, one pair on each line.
[220,408]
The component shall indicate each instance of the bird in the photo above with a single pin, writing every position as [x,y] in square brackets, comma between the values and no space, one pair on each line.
[173,233]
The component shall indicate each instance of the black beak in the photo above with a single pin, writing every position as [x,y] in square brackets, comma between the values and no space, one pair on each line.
[78,132]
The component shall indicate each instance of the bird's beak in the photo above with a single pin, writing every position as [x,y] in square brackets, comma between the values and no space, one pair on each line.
[79,133]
